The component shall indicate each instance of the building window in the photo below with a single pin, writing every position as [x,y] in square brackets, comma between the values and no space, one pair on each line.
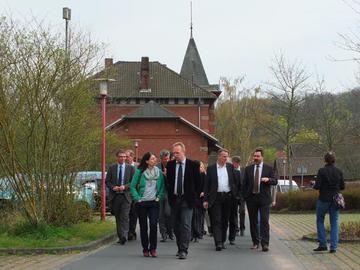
[186,101]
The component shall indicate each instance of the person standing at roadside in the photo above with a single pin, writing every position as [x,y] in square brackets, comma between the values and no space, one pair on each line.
[329,182]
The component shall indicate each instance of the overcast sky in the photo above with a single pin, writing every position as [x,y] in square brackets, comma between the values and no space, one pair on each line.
[234,37]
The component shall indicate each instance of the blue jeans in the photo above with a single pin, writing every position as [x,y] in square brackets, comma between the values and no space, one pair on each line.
[321,209]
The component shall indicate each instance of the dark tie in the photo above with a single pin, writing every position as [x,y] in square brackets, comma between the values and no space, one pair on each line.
[256,180]
[120,176]
[179,180]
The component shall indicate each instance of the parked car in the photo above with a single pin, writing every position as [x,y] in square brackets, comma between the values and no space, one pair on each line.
[6,191]
[284,185]
[88,188]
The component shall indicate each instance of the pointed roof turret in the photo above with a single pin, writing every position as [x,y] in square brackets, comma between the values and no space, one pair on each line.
[192,67]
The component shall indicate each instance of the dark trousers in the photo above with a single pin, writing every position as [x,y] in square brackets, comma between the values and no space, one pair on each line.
[219,216]
[181,216]
[132,219]
[148,210]
[242,215]
[254,205]
[233,220]
[165,224]
[121,208]
[197,226]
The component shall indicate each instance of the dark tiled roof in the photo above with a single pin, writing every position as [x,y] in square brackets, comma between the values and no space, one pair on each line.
[164,83]
[192,67]
[307,150]
[151,110]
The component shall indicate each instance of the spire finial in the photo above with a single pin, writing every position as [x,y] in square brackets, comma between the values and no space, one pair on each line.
[191,23]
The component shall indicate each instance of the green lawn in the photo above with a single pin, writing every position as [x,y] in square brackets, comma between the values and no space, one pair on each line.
[49,236]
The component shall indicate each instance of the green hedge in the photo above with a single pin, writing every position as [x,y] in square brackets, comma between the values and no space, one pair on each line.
[306,200]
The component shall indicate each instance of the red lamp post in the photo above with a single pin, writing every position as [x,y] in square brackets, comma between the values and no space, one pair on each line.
[103,94]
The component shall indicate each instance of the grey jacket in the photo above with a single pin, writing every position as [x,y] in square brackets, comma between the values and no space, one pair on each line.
[112,180]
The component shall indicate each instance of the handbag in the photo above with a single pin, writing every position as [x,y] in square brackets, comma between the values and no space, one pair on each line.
[339,200]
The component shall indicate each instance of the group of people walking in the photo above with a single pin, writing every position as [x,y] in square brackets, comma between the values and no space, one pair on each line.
[176,192]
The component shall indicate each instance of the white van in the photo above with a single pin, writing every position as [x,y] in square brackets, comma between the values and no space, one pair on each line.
[284,185]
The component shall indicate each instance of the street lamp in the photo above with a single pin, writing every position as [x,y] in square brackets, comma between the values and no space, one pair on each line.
[103,87]
[67,18]
[284,168]
[136,151]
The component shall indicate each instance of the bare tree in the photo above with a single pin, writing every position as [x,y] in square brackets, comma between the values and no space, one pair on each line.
[46,129]
[287,92]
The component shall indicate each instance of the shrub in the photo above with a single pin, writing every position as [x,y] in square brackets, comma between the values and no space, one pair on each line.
[71,212]
[296,200]
[350,230]
[306,200]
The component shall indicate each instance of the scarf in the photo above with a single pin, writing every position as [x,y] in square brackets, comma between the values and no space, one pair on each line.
[152,174]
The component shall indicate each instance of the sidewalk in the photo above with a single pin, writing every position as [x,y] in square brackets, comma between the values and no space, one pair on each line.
[37,262]
[290,228]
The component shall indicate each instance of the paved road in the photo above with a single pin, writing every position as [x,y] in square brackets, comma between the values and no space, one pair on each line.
[202,255]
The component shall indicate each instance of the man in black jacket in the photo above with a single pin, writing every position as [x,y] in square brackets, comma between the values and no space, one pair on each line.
[258,178]
[183,187]
[220,189]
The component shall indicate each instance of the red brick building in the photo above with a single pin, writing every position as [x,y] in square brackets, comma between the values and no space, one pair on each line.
[154,106]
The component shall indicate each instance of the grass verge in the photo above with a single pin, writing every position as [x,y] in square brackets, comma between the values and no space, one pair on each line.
[26,236]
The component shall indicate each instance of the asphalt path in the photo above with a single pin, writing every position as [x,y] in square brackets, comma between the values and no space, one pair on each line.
[202,255]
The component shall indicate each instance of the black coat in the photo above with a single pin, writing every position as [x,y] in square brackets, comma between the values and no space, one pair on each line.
[248,183]
[211,182]
[192,185]
[329,181]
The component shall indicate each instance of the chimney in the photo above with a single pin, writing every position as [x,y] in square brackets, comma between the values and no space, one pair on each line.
[108,62]
[144,73]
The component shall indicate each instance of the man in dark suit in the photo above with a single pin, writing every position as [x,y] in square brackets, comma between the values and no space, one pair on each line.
[183,187]
[220,189]
[258,178]
[118,179]
[237,204]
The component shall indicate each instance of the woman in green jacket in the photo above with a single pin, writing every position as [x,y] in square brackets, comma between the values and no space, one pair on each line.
[147,189]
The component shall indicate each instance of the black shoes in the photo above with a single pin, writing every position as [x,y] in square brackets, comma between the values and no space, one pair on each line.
[265,248]
[241,232]
[122,241]
[131,236]
[332,251]
[218,248]
[182,255]
[163,238]
[171,236]
[232,242]
[320,249]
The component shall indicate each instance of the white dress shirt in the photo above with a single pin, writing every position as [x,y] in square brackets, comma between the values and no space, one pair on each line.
[223,178]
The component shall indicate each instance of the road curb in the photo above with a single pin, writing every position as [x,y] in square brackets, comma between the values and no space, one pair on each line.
[59,250]
[314,239]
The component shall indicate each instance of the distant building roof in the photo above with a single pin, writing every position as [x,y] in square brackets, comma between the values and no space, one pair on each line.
[163,83]
[310,165]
